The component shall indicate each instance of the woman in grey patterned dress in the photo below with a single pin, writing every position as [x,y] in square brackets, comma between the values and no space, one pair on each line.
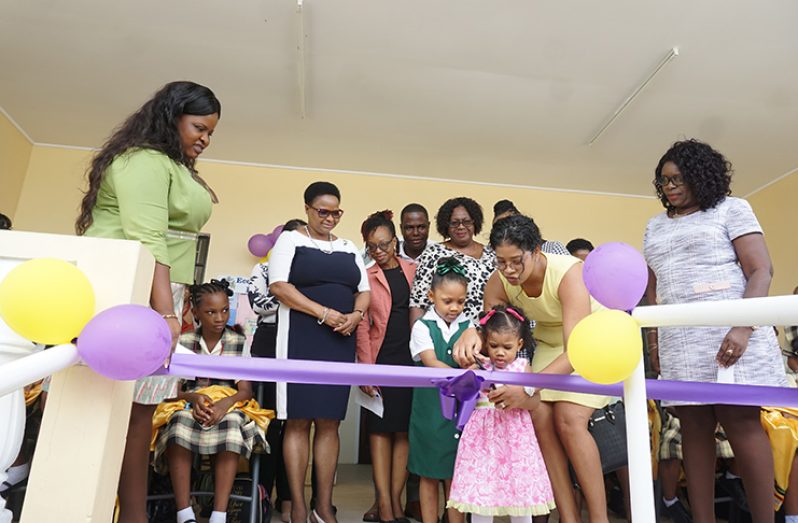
[708,246]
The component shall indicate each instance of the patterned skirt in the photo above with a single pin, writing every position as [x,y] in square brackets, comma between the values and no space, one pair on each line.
[154,389]
[234,433]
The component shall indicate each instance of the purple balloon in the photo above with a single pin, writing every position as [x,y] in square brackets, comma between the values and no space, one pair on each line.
[126,342]
[616,275]
[259,245]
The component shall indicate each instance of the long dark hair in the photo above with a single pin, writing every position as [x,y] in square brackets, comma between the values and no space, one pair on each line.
[153,126]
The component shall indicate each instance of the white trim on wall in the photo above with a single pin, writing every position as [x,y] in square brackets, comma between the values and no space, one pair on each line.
[771,182]
[386,175]
[16,125]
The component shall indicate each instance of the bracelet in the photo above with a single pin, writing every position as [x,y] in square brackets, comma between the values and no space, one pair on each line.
[168,316]
[323,316]
[362,315]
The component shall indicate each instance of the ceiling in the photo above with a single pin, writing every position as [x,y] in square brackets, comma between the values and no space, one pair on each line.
[503,91]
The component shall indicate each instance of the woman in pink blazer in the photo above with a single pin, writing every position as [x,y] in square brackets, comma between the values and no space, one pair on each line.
[384,338]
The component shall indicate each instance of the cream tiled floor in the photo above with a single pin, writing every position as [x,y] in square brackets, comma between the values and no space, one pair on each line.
[354,493]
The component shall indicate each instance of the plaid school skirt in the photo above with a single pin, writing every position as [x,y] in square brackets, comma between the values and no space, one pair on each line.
[671,440]
[234,433]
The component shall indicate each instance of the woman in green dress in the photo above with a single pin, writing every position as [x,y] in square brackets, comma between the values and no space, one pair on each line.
[143,186]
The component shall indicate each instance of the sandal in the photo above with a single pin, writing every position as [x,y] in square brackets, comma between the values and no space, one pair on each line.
[372,516]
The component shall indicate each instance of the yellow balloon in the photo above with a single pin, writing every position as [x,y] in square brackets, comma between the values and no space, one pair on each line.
[46,300]
[606,346]
[265,259]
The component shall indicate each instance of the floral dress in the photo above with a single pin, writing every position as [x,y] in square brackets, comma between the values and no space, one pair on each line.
[499,469]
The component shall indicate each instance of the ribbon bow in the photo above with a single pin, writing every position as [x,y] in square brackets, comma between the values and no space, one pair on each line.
[509,310]
[459,396]
[450,265]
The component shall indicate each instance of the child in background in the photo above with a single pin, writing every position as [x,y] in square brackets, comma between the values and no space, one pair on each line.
[500,470]
[433,438]
[211,417]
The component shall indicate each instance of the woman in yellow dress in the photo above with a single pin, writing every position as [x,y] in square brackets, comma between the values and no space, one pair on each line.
[549,289]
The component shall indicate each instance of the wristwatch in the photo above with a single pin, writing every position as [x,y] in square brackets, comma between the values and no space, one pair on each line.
[530,391]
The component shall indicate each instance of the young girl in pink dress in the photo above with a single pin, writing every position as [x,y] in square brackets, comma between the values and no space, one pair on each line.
[499,469]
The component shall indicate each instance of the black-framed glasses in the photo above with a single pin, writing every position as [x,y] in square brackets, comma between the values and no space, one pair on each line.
[517,264]
[662,181]
[382,246]
[324,213]
[456,224]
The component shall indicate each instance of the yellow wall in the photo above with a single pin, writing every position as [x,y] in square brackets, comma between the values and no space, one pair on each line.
[255,199]
[15,150]
[776,210]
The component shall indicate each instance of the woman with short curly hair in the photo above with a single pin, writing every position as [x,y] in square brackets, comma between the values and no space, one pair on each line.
[708,246]
[458,221]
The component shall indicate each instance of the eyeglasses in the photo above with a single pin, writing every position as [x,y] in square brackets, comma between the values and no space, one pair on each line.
[382,246]
[456,224]
[517,265]
[663,181]
[324,213]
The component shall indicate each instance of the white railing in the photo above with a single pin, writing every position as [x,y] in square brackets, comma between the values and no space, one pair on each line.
[20,366]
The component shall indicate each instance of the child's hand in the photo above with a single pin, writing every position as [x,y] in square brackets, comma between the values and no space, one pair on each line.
[467,348]
[218,410]
[201,407]
[509,397]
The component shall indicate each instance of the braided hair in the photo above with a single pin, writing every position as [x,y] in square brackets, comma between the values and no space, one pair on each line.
[197,291]
[449,269]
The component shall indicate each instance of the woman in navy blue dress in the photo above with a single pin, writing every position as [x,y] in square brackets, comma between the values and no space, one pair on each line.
[323,290]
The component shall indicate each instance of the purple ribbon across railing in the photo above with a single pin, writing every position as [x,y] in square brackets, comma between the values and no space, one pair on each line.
[328,373]
[459,396]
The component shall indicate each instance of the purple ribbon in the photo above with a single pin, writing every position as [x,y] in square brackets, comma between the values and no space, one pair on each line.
[329,373]
[459,396]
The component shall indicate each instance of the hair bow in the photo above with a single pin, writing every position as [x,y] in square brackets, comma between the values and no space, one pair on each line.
[508,310]
[450,265]
[488,315]
[513,312]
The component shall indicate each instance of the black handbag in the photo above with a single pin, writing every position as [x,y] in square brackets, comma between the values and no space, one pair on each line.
[608,427]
